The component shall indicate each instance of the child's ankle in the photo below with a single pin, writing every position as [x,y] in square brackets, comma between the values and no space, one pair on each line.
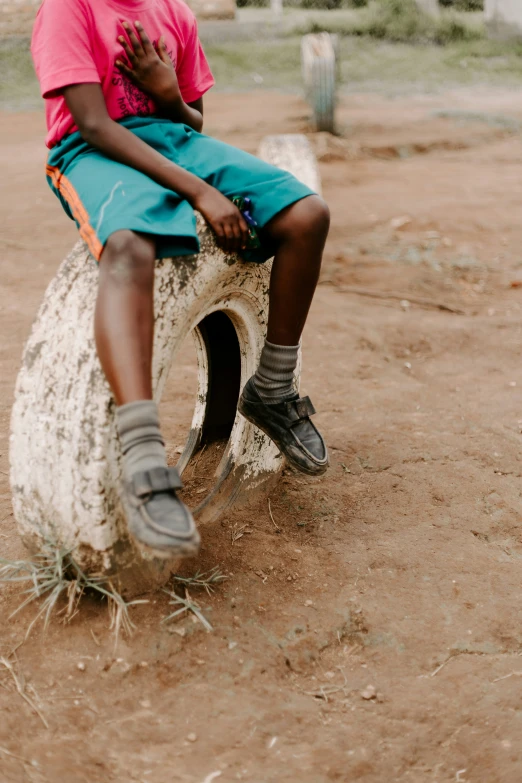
[274,378]
[140,437]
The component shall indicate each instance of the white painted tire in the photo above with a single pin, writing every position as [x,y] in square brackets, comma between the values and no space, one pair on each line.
[319,69]
[65,457]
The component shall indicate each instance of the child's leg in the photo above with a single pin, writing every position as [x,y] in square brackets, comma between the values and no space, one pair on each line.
[299,233]
[269,399]
[124,319]
[124,329]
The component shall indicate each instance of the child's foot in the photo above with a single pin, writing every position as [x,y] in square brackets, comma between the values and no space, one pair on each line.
[288,424]
[158,520]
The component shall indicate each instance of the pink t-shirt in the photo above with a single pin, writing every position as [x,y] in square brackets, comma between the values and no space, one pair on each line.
[76,42]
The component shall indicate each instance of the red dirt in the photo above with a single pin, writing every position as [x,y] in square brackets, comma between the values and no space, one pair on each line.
[400,569]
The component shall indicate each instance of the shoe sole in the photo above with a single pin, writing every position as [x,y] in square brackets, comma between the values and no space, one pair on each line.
[187,549]
[309,472]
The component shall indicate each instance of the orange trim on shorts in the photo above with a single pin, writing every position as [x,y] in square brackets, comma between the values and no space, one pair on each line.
[80,214]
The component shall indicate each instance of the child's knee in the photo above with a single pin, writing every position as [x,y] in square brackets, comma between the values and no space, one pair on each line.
[319,214]
[308,218]
[128,257]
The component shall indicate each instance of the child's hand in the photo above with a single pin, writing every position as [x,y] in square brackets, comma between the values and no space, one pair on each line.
[224,218]
[151,70]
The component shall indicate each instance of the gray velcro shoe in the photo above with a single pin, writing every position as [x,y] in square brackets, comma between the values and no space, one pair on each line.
[288,424]
[156,517]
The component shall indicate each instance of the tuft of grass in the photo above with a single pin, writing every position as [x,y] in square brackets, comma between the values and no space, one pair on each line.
[203,580]
[186,605]
[208,580]
[53,577]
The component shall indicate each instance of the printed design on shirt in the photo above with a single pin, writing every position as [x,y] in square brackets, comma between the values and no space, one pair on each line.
[135,102]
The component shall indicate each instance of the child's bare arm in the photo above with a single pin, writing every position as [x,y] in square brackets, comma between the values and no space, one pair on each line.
[87,106]
[153,72]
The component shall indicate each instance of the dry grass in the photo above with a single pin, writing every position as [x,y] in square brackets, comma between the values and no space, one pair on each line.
[53,577]
[208,580]
[185,606]
[22,689]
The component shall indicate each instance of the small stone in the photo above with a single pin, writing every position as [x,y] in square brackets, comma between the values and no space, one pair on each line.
[179,631]
[400,222]
[80,666]
[329,675]
[407,365]
[145,703]
[369,693]
[143,664]
[308,603]
[200,663]
[512,383]
[121,666]
[288,578]
[192,737]
[231,645]
[404,304]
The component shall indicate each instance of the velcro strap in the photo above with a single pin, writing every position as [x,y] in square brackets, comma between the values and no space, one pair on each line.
[148,482]
[299,409]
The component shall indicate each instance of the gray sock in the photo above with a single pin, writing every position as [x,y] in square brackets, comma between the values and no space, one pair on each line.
[140,437]
[274,378]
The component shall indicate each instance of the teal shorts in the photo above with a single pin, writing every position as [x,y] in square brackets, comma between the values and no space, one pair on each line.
[104,196]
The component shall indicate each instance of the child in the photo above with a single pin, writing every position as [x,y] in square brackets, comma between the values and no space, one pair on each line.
[128,161]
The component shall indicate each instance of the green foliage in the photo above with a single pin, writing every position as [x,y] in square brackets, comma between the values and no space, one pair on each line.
[252,3]
[18,83]
[323,5]
[401,21]
[463,5]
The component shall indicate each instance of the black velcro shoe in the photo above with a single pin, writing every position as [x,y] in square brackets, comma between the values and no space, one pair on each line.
[288,424]
[158,520]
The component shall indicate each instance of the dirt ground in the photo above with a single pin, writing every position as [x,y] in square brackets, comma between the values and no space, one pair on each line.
[372,631]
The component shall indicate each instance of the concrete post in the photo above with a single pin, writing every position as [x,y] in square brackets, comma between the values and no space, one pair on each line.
[504,18]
